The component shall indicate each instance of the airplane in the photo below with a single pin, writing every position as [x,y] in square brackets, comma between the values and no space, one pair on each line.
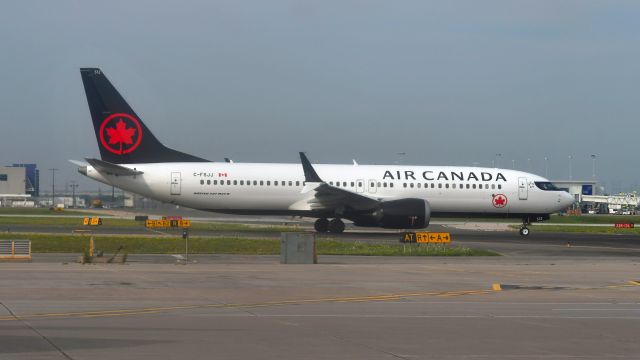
[384,196]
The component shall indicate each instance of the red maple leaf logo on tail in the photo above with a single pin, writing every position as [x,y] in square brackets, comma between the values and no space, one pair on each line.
[121,134]
[124,132]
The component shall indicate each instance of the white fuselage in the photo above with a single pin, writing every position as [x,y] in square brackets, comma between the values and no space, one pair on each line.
[246,188]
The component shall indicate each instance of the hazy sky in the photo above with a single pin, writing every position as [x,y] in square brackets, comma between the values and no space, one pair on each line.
[446,82]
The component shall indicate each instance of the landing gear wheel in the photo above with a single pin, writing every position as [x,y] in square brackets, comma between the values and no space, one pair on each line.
[336,226]
[524,231]
[321,225]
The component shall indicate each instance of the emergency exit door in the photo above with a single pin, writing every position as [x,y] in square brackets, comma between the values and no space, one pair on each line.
[523,189]
[175,183]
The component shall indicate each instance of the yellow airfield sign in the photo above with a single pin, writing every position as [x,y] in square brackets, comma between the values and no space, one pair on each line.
[425,237]
[92,221]
[168,223]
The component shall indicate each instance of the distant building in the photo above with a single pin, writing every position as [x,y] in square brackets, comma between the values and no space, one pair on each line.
[12,180]
[32,183]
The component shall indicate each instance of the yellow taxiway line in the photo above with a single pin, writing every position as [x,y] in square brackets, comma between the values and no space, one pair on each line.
[164,309]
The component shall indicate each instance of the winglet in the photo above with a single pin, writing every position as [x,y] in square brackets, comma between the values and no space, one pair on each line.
[310,174]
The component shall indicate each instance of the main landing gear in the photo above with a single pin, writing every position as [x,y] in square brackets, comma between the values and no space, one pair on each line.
[335,226]
[524,230]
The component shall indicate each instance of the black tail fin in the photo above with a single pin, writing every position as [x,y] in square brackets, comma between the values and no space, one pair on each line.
[122,136]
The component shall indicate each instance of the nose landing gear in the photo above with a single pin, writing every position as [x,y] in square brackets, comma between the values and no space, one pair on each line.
[335,226]
[524,229]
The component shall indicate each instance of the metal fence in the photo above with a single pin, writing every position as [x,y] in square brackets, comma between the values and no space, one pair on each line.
[15,249]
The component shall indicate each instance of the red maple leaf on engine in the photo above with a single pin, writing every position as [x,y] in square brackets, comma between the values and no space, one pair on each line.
[121,134]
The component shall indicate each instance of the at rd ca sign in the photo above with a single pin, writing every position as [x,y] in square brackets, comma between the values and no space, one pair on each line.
[425,237]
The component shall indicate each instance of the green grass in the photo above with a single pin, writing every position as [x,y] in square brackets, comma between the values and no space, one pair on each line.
[77,223]
[39,211]
[583,229]
[44,243]
[594,219]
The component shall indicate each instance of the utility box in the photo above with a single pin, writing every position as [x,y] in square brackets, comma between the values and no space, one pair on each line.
[298,248]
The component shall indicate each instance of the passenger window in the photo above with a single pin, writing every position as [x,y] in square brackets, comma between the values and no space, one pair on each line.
[486,186]
[268,183]
[208,182]
[390,184]
[453,186]
[290,183]
[439,186]
[248,182]
[201,182]
[275,183]
[418,185]
[359,184]
[344,184]
[255,182]
[473,186]
[228,182]
[353,184]
[499,186]
[373,185]
[241,182]
[446,185]
[493,186]
[235,182]
[404,185]
[411,185]
[384,184]
[261,182]
[433,185]
[297,183]
[215,182]
[468,186]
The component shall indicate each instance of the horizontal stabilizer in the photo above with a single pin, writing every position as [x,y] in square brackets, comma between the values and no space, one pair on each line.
[110,168]
[78,163]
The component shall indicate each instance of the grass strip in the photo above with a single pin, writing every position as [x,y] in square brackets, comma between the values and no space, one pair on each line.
[45,243]
[582,229]
[77,223]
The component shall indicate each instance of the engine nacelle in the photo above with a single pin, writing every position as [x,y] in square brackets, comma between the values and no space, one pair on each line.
[398,214]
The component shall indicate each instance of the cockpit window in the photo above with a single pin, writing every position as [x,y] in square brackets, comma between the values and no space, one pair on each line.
[546,186]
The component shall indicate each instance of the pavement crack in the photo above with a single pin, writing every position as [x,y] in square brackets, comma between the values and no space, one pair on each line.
[44,337]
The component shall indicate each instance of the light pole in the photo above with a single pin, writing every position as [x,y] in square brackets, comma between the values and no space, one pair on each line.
[73,193]
[570,167]
[498,160]
[593,167]
[529,162]
[53,185]
[513,164]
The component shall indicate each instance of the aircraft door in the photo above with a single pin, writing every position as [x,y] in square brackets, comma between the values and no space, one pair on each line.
[372,186]
[175,183]
[523,189]
[360,185]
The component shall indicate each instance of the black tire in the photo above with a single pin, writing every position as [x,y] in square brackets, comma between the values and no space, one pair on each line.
[336,226]
[321,225]
[524,231]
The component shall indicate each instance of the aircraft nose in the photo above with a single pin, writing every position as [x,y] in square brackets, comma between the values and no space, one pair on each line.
[567,199]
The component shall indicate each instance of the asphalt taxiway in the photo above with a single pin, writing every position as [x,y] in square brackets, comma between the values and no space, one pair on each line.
[345,308]
[551,296]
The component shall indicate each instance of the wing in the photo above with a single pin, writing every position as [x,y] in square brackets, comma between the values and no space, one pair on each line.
[331,198]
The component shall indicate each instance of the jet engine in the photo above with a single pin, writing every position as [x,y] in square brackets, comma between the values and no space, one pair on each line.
[397,214]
